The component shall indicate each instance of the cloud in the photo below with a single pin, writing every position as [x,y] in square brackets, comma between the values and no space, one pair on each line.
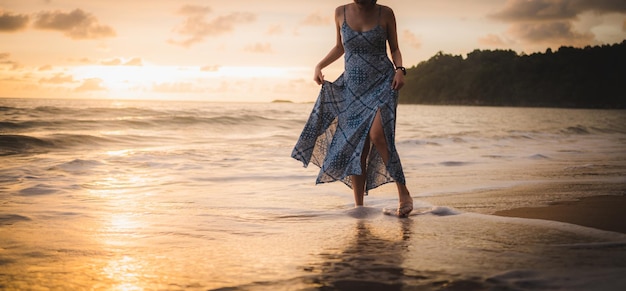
[551,22]
[45,68]
[601,6]
[533,10]
[624,26]
[76,24]
[412,39]
[134,62]
[12,22]
[292,85]
[315,19]
[196,26]
[210,68]
[83,60]
[525,10]
[261,48]
[491,40]
[560,32]
[86,60]
[4,60]
[176,87]
[113,62]
[274,30]
[194,9]
[59,78]
[92,84]
[120,62]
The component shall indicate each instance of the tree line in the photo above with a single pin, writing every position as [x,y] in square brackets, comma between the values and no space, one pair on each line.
[590,77]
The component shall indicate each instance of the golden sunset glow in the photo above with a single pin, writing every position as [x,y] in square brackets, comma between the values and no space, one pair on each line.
[253,50]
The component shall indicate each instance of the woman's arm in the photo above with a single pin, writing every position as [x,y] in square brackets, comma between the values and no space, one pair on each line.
[334,53]
[396,55]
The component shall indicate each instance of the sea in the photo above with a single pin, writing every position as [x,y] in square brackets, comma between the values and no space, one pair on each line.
[177,195]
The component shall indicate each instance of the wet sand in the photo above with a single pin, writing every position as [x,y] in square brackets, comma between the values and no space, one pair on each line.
[601,212]
[592,204]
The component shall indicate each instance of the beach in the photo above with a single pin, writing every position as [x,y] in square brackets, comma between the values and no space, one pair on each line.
[597,205]
[601,212]
[132,195]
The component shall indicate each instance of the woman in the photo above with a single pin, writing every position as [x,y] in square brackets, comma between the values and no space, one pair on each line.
[351,130]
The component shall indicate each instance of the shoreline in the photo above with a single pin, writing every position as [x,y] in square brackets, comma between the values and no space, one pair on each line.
[605,212]
[595,204]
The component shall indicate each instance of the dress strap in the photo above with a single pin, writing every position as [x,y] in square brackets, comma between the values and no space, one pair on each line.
[344,12]
[380,9]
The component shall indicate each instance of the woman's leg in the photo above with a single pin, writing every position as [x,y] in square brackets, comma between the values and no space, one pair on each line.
[358,181]
[377,136]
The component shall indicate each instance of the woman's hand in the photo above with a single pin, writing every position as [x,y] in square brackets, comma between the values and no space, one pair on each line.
[398,81]
[318,77]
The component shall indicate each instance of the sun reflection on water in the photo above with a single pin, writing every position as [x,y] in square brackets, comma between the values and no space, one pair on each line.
[122,226]
[126,271]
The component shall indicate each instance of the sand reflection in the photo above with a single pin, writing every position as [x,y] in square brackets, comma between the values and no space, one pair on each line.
[372,260]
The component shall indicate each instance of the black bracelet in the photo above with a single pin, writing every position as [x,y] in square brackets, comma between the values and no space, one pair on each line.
[403,69]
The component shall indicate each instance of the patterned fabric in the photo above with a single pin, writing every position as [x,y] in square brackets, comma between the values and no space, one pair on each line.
[335,134]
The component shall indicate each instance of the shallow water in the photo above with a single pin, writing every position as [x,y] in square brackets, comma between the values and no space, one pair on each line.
[178,195]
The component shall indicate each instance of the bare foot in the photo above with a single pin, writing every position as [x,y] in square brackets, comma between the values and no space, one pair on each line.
[405,205]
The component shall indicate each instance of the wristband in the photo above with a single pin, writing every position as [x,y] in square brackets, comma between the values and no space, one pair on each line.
[403,69]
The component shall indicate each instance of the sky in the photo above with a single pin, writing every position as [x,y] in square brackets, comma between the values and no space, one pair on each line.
[245,50]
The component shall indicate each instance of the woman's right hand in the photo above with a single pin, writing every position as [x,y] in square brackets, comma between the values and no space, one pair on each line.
[318,77]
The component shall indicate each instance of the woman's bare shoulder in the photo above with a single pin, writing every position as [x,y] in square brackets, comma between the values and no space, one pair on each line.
[339,10]
[386,10]
[387,14]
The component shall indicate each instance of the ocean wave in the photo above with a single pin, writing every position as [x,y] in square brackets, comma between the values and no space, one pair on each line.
[24,144]
[40,111]
[454,163]
[51,109]
[21,126]
[77,166]
[18,144]
[578,130]
[6,126]
[10,219]
[538,157]
[215,120]
[608,128]
[71,140]
[111,119]
[38,190]
[612,130]
[550,131]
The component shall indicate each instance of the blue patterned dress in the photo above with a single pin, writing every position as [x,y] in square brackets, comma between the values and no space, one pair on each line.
[335,134]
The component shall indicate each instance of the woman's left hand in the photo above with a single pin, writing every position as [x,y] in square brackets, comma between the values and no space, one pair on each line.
[398,81]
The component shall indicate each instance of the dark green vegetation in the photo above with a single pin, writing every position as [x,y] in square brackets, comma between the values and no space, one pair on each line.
[590,77]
